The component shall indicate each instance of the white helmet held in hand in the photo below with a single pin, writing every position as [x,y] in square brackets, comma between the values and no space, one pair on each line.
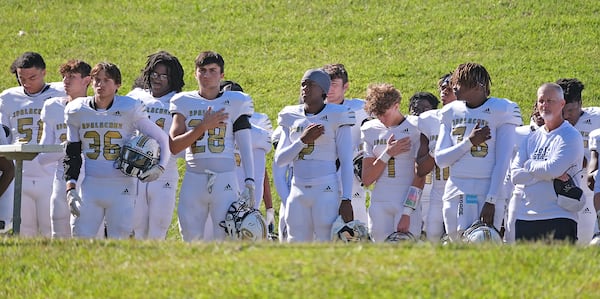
[138,155]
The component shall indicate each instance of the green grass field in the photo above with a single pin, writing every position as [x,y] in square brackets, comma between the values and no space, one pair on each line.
[267,46]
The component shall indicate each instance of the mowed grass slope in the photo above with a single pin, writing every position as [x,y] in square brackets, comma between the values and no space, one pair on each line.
[109,269]
[267,46]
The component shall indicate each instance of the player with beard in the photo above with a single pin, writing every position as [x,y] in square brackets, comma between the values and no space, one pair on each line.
[20,111]
[475,141]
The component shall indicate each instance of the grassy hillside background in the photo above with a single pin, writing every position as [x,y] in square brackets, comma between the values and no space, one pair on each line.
[267,46]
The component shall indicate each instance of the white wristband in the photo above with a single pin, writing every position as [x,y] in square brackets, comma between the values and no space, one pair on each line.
[384,157]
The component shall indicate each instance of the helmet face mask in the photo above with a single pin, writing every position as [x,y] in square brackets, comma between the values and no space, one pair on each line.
[357,166]
[138,155]
[399,237]
[347,232]
[244,223]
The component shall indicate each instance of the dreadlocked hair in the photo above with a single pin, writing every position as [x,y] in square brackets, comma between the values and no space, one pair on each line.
[380,97]
[471,74]
[572,89]
[174,70]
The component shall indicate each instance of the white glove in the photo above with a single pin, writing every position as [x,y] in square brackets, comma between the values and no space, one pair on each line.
[247,196]
[74,201]
[270,216]
[152,174]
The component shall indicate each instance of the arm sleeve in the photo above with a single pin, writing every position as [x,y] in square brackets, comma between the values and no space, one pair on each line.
[343,139]
[280,175]
[241,123]
[518,174]
[146,126]
[244,143]
[72,161]
[446,153]
[505,141]
[286,151]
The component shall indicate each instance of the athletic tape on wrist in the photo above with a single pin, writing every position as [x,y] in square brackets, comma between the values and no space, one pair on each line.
[384,157]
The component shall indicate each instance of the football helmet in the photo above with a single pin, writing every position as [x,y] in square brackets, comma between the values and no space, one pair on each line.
[357,165]
[595,240]
[480,232]
[353,231]
[398,237]
[244,223]
[138,155]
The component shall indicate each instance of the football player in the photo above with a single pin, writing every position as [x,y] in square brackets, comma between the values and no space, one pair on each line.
[584,120]
[390,141]
[98,126]
[207,123]
[476,140]
[429,125]
[594,142]
[315,135]
[162,78]
[260,132]
[337,95]
[7,173]
[76,80]
[20,111]
[282,180]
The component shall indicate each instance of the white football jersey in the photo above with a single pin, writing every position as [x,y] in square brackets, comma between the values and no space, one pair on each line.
[22,114]
[158,113]
[53,114]
[429,125]
[262,120]
[102,133]
[594,140]
[55,128]
[358,106]
[588,121]
[217,142]
[331,117]
[400,169]
[261,140]
[495,112]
